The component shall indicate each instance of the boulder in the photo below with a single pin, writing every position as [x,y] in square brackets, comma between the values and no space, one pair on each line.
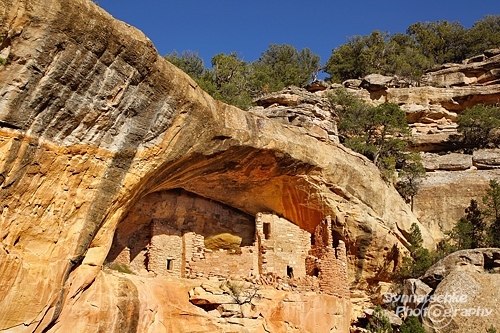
[301,108]
[317,85]
[201,297]
[472,260]
[290,96]
[352,83]
[315,121]
[414,112]
[450,161]
[486,158]
[482,69]
[393,318]
[415,293]
[491,52]
[461,294]
[230,310]
[377,82]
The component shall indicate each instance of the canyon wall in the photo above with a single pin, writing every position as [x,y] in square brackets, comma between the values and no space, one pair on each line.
[455,173]
[92,120]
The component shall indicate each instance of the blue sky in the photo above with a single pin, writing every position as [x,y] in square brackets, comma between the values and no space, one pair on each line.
[249,26]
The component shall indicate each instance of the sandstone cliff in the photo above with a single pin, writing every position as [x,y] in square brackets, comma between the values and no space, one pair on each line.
[92,119]
[472,275]
[455,174]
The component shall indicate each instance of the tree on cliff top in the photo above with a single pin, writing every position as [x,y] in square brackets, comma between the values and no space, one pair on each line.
[230,75]
[189,61]
[424,45]
[440,41]
[235,81]
[377,53]
[381,133]
[283,65]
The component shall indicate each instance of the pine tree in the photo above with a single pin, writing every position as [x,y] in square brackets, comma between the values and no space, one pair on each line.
[412,325]
[380,133]
[420,258]
[410,177]
[469,232]
[492,202]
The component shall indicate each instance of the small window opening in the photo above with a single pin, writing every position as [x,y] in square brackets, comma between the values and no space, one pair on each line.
[315,272]
[289,271]
[313,239]
[267,230]
[336,237]
[170,264]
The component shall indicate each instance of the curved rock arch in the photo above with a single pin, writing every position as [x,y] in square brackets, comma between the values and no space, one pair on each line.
[92,119]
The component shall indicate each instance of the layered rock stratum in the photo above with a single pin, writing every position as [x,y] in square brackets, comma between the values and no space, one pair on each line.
[96,129]
[92,119]
[455,174]
[472,275]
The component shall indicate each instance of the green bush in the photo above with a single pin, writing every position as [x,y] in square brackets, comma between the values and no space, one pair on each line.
[241,292]
[492,329]
[469,232]
[379,322]
[480,126]
[412,325]
[381,133]
[492,212]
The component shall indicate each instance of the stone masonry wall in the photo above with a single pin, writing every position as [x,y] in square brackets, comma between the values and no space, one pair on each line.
[329,263]
[172,225]
[188,212]
[133,250]
[174,244]
[194,250]
[224,263]
[283,245]
[165,255]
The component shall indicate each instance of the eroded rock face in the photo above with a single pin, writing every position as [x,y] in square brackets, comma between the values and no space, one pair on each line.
[302,108]
[452,181]
[93,119]
[449,162]
[472,260]
[479,70]
[459,293]
[466,285]
[444,195]
[486,158]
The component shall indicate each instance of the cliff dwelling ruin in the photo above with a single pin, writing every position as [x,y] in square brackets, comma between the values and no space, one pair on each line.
[180,234]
